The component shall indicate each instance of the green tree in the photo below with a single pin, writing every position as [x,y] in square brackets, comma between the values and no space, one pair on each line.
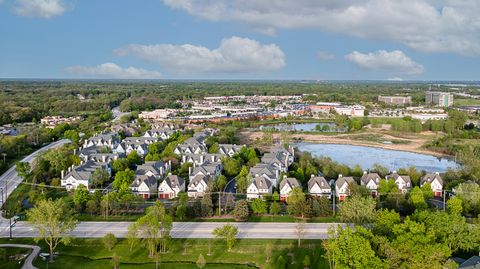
[72,135]
[99,177]
[23,169]
[109,241]
[120,164]
[454,205]
[182,206]
[53,221]
[133,158]
[259,206]
[123,179]
[201,261]
[414,246]
[231,167]
[207,205]
[348,249]
[385,220]
[81,197]
[221,182]
[115,261]
[297,203]
[469,193]
[306,261]
[241,212]
[274,208]
[153,228]
[275,196]
[357,209]
[417,199]
[215,148]
[228,233]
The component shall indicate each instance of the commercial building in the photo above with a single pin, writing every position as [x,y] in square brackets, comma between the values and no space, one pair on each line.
[395,100]
[439,98]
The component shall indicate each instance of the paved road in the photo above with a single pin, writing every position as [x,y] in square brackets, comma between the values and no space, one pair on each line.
[28,262]
[117,114]
[10,179]
[190,230]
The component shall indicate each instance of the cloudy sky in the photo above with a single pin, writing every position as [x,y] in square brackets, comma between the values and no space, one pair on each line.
[241,39]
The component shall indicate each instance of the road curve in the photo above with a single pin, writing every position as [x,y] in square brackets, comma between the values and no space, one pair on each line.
[11,180]
[27,264]
[259,230]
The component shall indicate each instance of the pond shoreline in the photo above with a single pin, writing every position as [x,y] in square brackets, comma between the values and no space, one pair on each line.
[367,156]
[414,146]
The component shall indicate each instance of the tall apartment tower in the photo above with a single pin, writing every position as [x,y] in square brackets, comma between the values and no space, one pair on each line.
[444,99]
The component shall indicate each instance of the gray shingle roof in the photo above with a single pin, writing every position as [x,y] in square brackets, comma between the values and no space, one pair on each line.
[318,180]
[293,182]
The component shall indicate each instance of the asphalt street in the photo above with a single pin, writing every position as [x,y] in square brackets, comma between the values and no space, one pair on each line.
[10,180]
[188,230]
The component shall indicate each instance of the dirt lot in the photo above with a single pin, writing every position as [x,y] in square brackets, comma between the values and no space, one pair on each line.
[371,138]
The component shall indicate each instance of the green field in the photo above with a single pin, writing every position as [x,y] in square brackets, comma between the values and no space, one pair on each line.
[183,253]
[466,102]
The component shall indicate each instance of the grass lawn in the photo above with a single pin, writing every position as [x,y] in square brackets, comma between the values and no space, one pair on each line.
[183,253]
[12,258]
[466,102]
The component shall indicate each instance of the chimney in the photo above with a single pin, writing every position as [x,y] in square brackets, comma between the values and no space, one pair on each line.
[74,151]
[189,170]
[364,172]
[284,176]
[103,158]
[312,176]
[169,164]
[394,171]
[340,176]
[63,174]
[201,158]
[213,158]
[184,158]
[437,173]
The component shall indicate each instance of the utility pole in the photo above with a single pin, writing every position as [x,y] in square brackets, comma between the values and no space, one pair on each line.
[4,155]
[333,198]
[444,198]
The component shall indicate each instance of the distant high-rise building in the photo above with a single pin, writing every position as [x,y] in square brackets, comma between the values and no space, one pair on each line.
[439,98]
[395,100]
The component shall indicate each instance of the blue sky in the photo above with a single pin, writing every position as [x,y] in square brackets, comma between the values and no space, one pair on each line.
[240,39]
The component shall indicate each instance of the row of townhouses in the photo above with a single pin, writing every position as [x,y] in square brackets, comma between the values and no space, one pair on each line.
[266,174]
[319,186]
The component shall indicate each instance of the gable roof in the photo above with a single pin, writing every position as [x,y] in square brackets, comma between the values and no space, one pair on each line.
[430,177]
[395,176]
[263,168]
[205,168]
[153,166]
[148,180]
[318,180]
[174,181]
[342,180]
[472,263]
[261,183]
[199,178]
[367,177]
[291,181]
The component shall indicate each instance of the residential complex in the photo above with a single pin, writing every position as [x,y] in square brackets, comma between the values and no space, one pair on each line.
[395,100]
[444,99]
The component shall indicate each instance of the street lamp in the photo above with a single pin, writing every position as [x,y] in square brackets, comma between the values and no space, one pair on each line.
[4,155]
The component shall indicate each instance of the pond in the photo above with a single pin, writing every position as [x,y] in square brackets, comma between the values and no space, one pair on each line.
[305,127]
[367,157]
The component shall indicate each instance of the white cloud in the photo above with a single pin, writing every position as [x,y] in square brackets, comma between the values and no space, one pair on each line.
[234,55]
[425,25]
[44,9]
[323,55]
[395,62]
[111,70]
